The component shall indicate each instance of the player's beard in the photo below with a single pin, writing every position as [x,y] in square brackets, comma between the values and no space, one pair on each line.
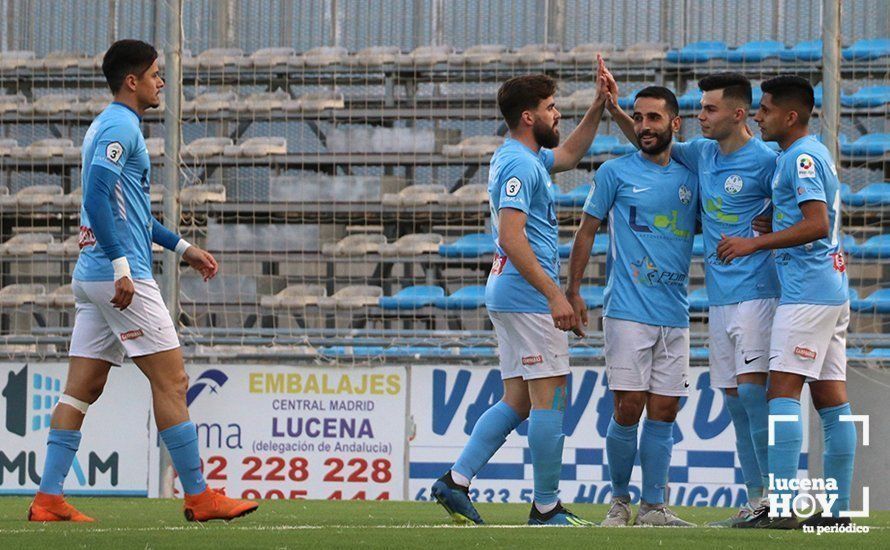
[662,142]
[546,136]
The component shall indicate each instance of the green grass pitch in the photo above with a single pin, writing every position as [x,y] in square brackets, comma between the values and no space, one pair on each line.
[148,523]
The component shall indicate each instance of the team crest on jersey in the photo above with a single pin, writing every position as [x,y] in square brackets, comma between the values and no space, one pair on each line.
[114,151]
[806,168]
[840,265]
[733,184]
[685,194]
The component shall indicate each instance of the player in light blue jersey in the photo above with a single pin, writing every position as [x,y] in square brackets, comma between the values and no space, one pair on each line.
[735,173]
[119,309]
[651,203]
[529,312]
[808,341]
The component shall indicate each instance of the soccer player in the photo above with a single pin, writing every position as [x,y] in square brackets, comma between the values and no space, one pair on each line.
[808,342]
[529,312]
[119,310]
[735,176]
[652,205]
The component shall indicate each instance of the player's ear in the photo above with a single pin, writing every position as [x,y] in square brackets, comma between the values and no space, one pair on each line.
[528,118]
[676,123]
[791,118]
[130,82]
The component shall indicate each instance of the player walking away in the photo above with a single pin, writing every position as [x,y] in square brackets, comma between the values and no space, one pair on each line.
[809,332]
[735,175]
[119,310]
[652,204]
[529,312]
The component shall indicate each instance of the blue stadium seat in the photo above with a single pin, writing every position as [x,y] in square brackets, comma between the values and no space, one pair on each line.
[698,52]
[627,102]
[756,96]
[875,247]
[698,300]
[876,302]
[869,96]
[867,145]
[846,193]
[478,351]
[623,148]
[698,353]
[575,197]
[873,194]
[849,245]
[610,145]
[469,246]
[584,351]
[468,297]
[412,297]
[346,351]
[855,302]
[753,52]
[867,50]
[879,353]
[698,245]
[817,94]
[600,246]
[856,353]
[691,100]
[808,50]
[593,296]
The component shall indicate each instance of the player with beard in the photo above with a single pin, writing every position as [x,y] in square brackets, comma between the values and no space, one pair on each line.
[529,312]
[652,205]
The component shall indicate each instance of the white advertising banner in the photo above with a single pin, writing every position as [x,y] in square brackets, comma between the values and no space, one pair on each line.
[447,401]
[113,458]
[299,432]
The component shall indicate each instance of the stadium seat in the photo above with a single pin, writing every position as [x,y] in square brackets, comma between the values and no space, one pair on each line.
[698,300]
[412,297]
[50,148]
[155,147]
[869,145]
[585,54]
[265,102]
[295,296]
[532,54]
[873,194]
[808,50]
[320,101]
[415,195]
[26,244]
[593,296]
[468,297]
[355,245]
[641,52]
[481,54]
[875,247]
[585,352]
[698,52]
[217,58]
[258,147]
[59,61]
[5,198]
[413,245]
[375,56]
[324,56]
[93,105]
[867,50]
[211,102]
[9,147]
[472,194]
[817,94]
[267,58]
[15,59]
[855,302]
[475,146]
[755,52]
[73,199]
[38,195]
[53,104]
[575,197]
[876,302]
[21,294]
[579,99]
[698,245]
[68,247]
[12,103]
[193,195]
[478,351]
[691,100]
[600,246]
[610,145]
[879,353]
[60,298]
[206,147]
[426,56]
[869,96]
[627,102]
[469,246]
[221,289]
[699,353]
[353,297]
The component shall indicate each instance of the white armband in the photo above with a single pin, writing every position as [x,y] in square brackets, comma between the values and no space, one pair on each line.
[182,246]
[121,268]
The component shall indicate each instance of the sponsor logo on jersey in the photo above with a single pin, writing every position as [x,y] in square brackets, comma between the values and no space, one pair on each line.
[645,272]
[532,360]
[805,353]
[132,335]
[806,168]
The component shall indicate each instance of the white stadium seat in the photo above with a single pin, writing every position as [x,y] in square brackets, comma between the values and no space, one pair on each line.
[206,147]
[641,52]
[211,102]
[470,194]
[353,297]
[68,247]
[264,102]
[52,104]
[258,147]
[59,60]
[8,147]
[375,56]
[415,195]
[295,296]
[413,245]
[475,146]
[324,56]
[482,54]
[193,195]
[11,103]
[426,56]
[217,58]
[38,195]
[155,147]
[19,295]
[15,59]
[532,54]
[355,245]
[25,244]
[267,58]
[49,148]
[319,101]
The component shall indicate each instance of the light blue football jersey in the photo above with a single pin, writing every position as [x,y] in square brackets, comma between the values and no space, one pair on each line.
[735,189]
[519,178]
[652,212]
[813,273]
[114,141]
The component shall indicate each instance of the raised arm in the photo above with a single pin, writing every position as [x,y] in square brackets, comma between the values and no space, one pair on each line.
[569,154]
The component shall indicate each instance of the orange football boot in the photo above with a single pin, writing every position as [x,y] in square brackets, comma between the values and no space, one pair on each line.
[54,508]
[213,504]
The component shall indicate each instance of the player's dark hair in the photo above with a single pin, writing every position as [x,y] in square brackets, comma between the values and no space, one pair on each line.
[523,93]
[126,57]
[792,92]
[660,92]
[734,86]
